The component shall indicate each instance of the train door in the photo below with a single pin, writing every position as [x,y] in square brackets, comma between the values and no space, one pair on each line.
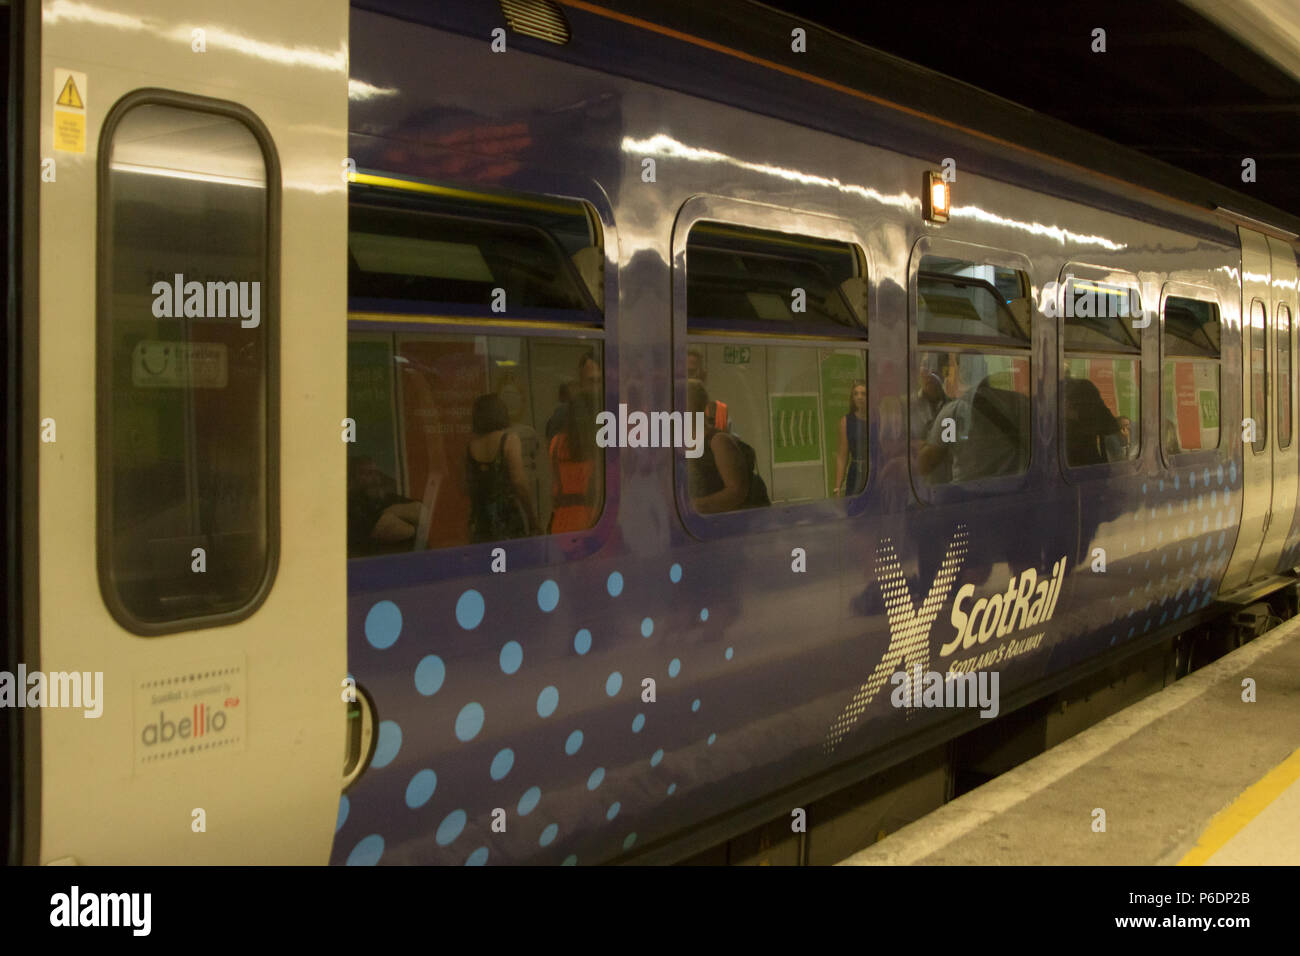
[191,387]
[1257,426]
[1281,305]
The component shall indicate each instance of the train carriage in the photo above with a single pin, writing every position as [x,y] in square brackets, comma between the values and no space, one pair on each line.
[1018,413]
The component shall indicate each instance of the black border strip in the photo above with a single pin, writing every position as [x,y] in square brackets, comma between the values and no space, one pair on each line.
[22,425]
[103,384]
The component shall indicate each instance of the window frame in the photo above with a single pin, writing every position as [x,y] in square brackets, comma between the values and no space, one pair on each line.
[103,351]
[1279,307]
[747,214]
[387,198]
[1108,276]
[975,254]
[1248,341]
[541,550]
[1201,456]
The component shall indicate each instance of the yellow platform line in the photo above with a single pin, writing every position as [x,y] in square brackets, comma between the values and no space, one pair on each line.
[1228,823]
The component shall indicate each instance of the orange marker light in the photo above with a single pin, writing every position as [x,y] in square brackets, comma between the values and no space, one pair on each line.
[937,197]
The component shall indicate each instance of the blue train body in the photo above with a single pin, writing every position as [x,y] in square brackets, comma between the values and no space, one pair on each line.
[524,690]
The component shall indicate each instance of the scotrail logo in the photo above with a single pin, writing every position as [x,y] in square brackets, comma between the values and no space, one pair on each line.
[909,627]
[1028,600]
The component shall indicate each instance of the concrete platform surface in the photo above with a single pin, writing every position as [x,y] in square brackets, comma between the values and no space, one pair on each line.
[1193,774]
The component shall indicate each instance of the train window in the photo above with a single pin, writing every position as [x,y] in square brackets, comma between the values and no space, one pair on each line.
[1101,395]
[468,438]
[187,380]
[752,279]
[531,258]
[1283,377]
[970,411]
[1259,375]
[785,418]
[465,439]
[1191,376]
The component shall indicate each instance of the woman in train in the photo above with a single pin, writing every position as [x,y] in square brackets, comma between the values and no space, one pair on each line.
[501,503]
[723,478]
[853,443]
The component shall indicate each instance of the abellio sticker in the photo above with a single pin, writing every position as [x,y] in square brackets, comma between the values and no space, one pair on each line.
[184,713]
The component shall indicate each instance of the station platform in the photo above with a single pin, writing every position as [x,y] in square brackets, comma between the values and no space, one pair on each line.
[1190,775]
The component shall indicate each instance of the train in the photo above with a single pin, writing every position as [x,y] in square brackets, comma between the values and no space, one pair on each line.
[309,320]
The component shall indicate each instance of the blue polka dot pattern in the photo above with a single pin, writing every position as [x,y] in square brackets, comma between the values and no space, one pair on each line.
[612,812]
[478,858]
[572,745]
[548,835]
[712,738]
[730,653]
[528,802]
[383,625]
[628,841]
[547,701]
[672,788]
[582,641]
[344,806]
[704,614]
[695,705]
[501,764]
[674,667]
[548,596]
[570,860]
[614,683]
[675,573]
[614,584]
[469,610]
[512,655]
[596,778]
[421,788]
[469,721]
[450,827]
[657,756]
[647,627]
[637,723]
[367,852]
[389,743]
[429,675]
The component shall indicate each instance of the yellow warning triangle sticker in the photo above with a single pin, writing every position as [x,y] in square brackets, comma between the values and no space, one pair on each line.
[70,96]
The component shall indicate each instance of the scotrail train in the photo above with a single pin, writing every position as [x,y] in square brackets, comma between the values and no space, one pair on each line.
[969,407]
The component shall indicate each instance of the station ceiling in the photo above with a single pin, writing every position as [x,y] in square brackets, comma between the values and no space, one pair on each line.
[1202,85]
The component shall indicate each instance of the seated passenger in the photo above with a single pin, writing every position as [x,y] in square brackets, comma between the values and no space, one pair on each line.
[723,478]
[500,501]
[378,517]
[1088,423]
[1121,446]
